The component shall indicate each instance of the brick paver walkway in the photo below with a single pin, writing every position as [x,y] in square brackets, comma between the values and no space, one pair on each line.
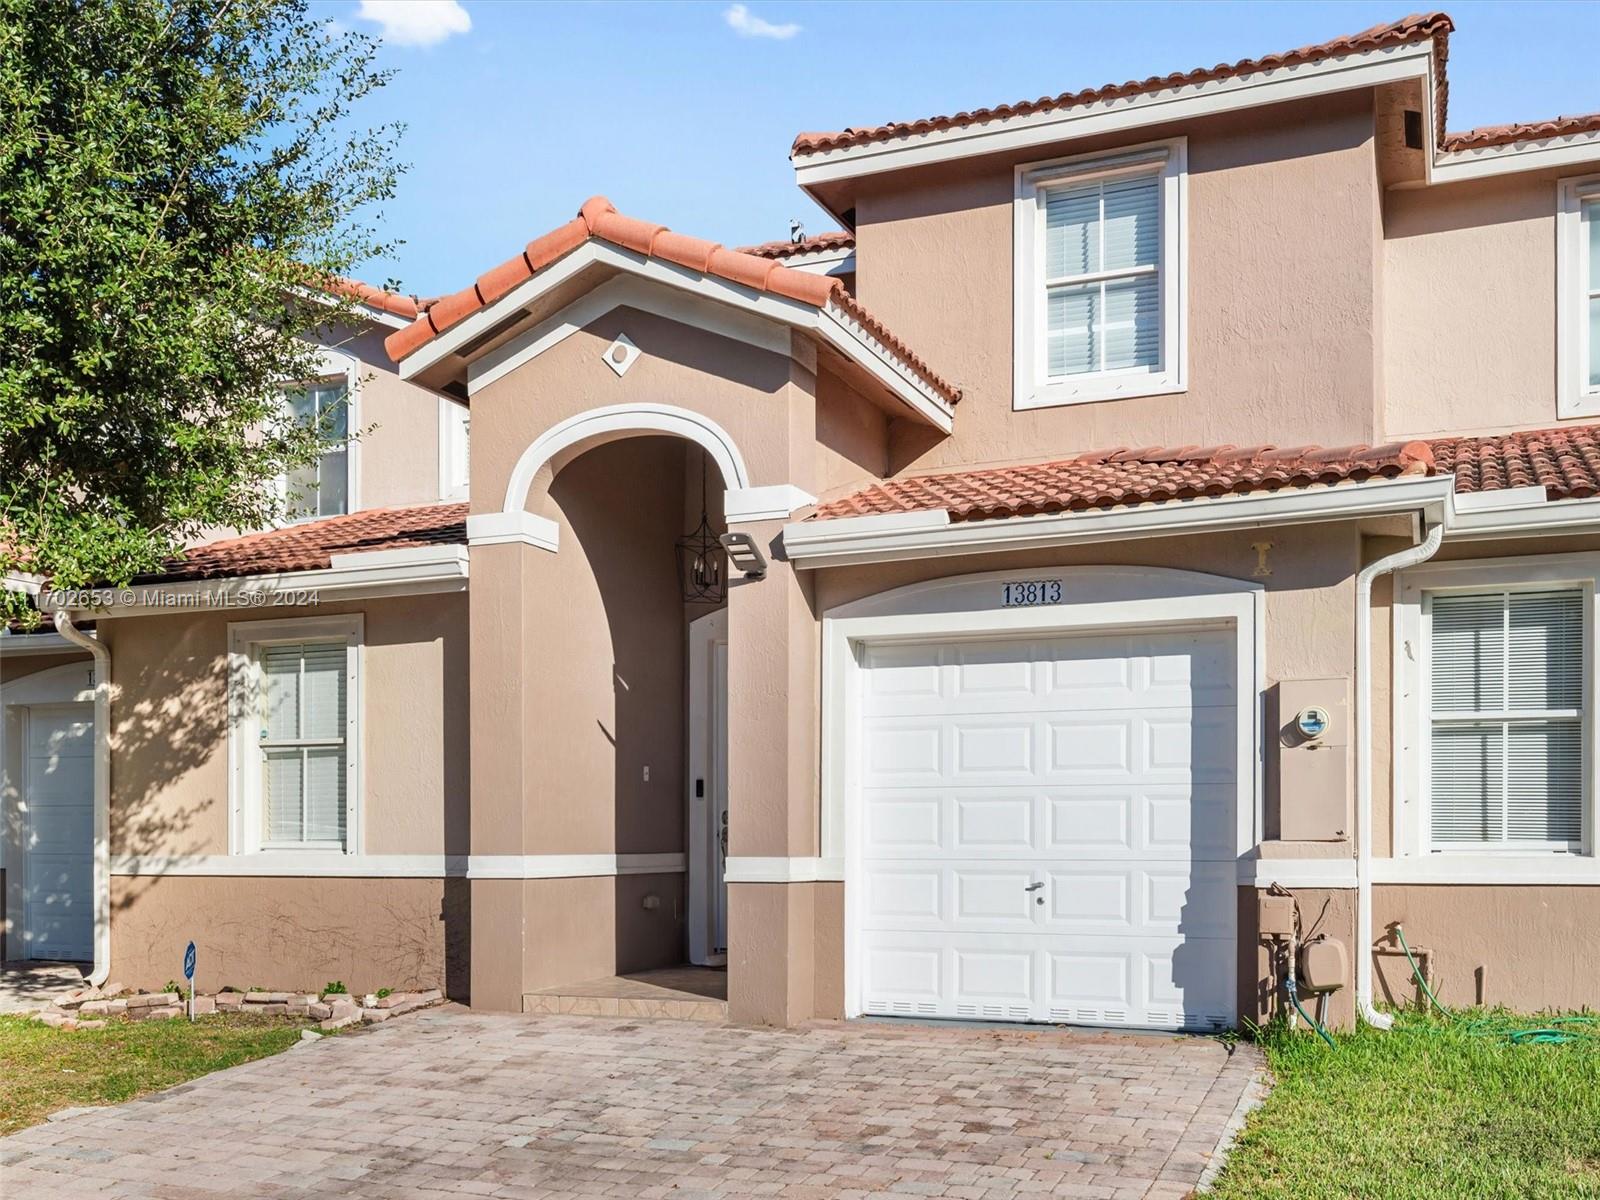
[460,1103]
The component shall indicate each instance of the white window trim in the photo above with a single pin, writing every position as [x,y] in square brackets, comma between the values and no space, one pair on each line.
[333,365]
[1412,724]
[1575,397]
[244,777]
[1030,387]
[450,414]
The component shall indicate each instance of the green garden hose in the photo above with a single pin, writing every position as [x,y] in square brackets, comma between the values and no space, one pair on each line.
[1294,998]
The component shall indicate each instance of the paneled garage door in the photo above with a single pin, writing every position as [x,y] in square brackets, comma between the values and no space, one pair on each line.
[1047,830]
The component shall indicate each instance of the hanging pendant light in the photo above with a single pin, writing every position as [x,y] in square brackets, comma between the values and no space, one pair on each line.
[702,562]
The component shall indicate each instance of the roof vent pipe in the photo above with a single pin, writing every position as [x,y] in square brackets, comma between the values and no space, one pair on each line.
[1395,562]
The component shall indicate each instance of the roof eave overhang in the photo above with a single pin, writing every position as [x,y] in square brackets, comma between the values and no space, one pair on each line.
[1570,150]
[912,395]
[930,533]
[821,174]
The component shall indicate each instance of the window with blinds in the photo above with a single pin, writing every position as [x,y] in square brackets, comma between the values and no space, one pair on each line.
[322,489]
[1102,265]
[1591,313]
[1506,698]
[304,756]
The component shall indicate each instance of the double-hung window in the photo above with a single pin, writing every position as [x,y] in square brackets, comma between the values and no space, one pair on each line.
[1578,294]
[296,742]
[1100,277]
[322,489]
[1506,704]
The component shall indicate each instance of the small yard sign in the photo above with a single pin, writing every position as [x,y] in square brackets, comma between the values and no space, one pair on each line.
[188,974]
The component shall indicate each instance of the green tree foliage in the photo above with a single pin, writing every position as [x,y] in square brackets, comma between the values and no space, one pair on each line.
[178,179]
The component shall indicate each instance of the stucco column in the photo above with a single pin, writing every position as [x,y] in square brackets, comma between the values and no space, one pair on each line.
[503,637]
[772,788]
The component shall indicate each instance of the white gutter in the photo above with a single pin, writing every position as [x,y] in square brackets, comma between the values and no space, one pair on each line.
[930,533]
[102,791]
[1409,557]
[1477,517]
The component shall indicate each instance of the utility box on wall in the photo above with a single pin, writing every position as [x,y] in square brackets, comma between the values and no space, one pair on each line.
[1314,760]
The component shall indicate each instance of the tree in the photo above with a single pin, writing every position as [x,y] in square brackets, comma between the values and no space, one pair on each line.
[180,182]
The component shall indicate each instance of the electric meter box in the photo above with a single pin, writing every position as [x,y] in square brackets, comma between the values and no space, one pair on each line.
[1313,748]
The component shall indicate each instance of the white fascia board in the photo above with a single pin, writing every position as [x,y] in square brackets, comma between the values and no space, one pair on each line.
[1571,150]
[22,581]
[1543,517]
[1298,872]
[783,870]
[13,645]
[1516,497]
[513,528]
[822,262]
[846,334]
[1365,69]
[812,544]
[772,503]
[442,569]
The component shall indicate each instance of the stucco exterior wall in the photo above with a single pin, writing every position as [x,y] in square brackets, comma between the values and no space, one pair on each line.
[1470,312]
[398,423]
[1282,227]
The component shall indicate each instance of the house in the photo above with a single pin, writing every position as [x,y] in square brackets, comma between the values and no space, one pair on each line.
[1157,499]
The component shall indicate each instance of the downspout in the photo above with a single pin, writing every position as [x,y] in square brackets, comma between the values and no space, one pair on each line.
[102,791]
[1428,547]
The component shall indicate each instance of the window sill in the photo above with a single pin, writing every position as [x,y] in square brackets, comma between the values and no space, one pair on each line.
[1501,868]
[1096,389]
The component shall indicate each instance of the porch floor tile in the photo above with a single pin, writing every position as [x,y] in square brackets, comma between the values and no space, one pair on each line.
[686,993]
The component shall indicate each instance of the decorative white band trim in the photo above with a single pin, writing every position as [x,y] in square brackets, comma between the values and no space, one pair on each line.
[520,527]
[572,866]
[1298,872]
[773,503]
[783,870]
[294,864]
[1556,870]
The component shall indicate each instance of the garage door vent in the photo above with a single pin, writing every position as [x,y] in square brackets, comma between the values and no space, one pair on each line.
[993,1012]
[1090,1016]
[903,1008]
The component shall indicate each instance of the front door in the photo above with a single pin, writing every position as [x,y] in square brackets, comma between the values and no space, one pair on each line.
[58,832]
[708,789]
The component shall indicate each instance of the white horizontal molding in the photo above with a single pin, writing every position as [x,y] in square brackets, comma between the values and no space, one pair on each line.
[1492,869]
[1533,516]
[783,870]
[573,866]
[1298,872]
[851,540]
[1005,134]
[518,528]
[1568,151]
[773,503]
[415,572]
[822,262]
[297,864]
[14,645]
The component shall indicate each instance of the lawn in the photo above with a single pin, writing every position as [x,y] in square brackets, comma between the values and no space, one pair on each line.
[1433,1109]
[44,1069]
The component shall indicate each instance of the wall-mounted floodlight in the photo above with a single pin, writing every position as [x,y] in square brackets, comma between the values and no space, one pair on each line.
[745,554]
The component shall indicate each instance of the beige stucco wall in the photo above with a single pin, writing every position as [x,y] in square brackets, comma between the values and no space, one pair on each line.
[169,766]
[1470,312]
[1283,329]
[398,424]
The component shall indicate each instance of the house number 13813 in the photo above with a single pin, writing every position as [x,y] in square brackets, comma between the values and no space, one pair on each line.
[1030,591]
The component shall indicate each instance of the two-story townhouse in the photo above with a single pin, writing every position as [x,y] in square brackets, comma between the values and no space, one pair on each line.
[1156,501]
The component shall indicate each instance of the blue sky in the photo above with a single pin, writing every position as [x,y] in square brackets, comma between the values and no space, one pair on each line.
[684,116]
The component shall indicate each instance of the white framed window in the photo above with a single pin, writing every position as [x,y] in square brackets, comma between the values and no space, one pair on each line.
[455,456]
[1578,297]
[1495,686]
[294,734]
[324,487]
[1100,277]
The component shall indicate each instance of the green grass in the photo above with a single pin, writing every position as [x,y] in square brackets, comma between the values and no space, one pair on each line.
[1433,1109]
[44,1069]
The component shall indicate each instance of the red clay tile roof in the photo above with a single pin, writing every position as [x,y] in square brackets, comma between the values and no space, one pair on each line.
[1565,461]
[1415,28]
[375,297]
[599,219]
[839,239]
[311,545]
[1111,478]
[1526,131]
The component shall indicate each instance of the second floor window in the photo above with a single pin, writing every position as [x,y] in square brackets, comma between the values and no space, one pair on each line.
[1100,277]
[1578,275]
[323,488]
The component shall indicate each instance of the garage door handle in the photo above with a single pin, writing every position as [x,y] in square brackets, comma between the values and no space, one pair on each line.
[1033,887]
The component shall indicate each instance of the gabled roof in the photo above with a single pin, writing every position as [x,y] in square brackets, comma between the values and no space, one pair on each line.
[598,220]
[393,303]
[1113,478]
[839,239]
[1418,27]
[311,545]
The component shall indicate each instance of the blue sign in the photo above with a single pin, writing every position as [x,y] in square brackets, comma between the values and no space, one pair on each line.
[188,962]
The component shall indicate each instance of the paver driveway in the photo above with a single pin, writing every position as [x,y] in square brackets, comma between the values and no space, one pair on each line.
[455,1102]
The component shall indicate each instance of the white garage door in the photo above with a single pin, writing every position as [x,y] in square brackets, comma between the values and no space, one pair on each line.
[58,863]
[1047,830]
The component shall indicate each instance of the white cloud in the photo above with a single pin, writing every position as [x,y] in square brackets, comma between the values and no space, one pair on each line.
[743,22]
[416,22]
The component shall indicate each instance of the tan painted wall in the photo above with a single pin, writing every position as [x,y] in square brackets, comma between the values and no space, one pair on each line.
[287,933]
[1283,290]
[169,777]
[1470,318]
[399,423]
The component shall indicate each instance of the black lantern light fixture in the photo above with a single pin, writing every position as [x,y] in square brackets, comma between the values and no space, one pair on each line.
[702,565]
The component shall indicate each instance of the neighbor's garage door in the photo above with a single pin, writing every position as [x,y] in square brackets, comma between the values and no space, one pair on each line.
[1047,829]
